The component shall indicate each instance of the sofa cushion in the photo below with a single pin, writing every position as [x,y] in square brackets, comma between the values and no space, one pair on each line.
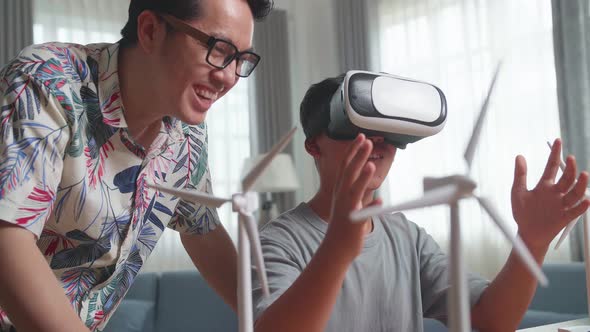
[433,325]
[186,302]
[534,318]
[566,292]
[144,287]
[132,316]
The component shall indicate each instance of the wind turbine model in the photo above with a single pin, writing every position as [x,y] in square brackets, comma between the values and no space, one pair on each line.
[450,190]
[244,203]
[568,229]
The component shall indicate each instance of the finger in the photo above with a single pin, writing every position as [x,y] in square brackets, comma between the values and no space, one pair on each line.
[569,175]
[577,192]
[355,166]
[552,162]
[377,201]
[520,171]
[360,185]
[351,150]
[577,210]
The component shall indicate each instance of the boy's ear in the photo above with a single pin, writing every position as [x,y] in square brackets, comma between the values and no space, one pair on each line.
[311,146]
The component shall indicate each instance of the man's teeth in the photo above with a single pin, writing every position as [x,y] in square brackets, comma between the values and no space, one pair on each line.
[206,94]
[375,156]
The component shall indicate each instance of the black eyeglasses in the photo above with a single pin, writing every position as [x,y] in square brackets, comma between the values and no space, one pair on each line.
[220,53]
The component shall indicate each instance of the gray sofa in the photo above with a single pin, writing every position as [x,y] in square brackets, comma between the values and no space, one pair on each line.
[182,301]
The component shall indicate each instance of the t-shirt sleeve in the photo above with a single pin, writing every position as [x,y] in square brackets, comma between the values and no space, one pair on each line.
[282,270]
[190,217]
[434,278]
[34,134]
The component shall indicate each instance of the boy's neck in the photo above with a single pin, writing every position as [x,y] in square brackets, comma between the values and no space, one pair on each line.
[321,204]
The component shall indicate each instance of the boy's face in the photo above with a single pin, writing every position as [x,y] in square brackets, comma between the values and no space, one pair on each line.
[330,153]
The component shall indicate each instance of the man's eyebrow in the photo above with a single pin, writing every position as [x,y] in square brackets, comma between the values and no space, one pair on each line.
[227,39]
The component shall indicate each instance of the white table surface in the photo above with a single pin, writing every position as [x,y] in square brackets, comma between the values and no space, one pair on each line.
[554,327]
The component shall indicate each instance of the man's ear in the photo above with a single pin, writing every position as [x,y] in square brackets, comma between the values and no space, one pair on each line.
[312,147]
[151,31]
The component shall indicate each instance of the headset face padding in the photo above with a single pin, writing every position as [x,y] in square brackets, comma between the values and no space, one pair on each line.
[399,109]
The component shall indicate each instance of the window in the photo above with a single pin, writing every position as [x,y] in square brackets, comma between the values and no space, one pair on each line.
[456,45]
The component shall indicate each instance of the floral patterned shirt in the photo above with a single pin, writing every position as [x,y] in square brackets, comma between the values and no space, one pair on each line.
[71,174]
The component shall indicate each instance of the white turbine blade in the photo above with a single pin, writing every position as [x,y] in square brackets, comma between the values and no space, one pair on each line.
[572,223]
[254,239]
[253,175]
[570,226]
[566,232]
[442,195]
[587,256]
[561,163]
[521,249]
[193,196]
[473,141]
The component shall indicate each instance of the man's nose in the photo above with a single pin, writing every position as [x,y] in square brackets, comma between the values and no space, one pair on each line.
[227,76]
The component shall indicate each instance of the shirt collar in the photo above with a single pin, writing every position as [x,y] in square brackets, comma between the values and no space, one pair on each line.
[109,92]
[173,127]
[109,95]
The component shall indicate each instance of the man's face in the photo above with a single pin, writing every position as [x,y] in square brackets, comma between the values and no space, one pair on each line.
[190,85]
[331,153]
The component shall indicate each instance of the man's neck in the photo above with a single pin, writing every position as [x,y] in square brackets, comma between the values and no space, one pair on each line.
[141,113]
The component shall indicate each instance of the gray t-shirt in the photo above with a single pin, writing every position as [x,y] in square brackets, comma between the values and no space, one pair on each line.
[400,277]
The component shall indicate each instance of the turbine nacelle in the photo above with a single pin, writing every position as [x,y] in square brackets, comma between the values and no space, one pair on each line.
[247,202]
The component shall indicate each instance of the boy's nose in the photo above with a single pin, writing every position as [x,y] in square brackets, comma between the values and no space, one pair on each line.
[376,139]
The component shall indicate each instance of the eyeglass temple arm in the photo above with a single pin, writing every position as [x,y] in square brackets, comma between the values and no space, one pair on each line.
[186,28]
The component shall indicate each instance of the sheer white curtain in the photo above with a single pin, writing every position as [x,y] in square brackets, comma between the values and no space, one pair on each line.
[78,21]
[456,44]
[90,21]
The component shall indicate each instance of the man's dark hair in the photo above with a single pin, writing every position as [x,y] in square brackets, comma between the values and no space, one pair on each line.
[314,111]
[182,9]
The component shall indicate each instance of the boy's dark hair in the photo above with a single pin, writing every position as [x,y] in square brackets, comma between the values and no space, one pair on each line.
[182,9]
[314,111]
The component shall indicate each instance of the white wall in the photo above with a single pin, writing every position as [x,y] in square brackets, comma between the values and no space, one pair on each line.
[313,50]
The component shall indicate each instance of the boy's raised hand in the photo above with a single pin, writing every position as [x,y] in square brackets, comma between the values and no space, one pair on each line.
[354,175]
[546,209]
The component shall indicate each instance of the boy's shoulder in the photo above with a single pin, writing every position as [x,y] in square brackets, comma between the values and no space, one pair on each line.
[399,223]
[290,222]
[295,235]
[404,232]
[295,229]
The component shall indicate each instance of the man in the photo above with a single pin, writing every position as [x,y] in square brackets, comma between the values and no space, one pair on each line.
[84,129]
[329,274]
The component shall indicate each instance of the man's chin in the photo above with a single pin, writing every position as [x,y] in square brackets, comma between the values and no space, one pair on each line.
[194,118]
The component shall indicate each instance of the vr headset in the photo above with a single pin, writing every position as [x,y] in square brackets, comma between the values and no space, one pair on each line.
[400,110]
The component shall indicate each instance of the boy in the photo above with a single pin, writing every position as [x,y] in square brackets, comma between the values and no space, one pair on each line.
[385,274]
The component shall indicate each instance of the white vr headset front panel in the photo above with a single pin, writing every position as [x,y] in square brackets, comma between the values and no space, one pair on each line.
[405,107]
[404,99]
